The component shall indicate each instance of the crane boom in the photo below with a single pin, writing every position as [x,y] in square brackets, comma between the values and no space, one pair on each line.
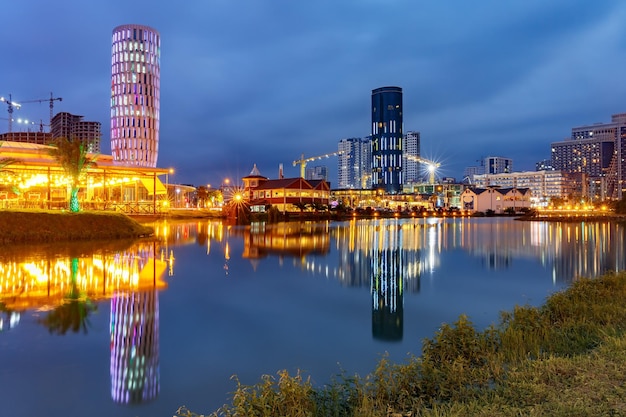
[11,104]
[432,166]
[303,161]
[52,99]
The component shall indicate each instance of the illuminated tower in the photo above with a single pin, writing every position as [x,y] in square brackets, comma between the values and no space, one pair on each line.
[135,102]
[387,139]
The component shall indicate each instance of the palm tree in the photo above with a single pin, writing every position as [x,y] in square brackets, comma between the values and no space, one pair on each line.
[72,156]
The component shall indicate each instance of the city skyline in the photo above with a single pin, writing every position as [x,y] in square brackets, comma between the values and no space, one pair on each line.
[247,82]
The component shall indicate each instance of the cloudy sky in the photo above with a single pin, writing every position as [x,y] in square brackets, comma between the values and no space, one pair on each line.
[261,82]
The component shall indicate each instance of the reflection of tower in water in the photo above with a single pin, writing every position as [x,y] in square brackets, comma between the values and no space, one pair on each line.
[135,347]
[387,298]
[387,284]
[135,330]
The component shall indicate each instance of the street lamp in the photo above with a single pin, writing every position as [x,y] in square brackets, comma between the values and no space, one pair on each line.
[167,182]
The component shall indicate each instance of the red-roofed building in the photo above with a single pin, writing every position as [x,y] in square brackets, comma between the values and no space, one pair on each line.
[286,194]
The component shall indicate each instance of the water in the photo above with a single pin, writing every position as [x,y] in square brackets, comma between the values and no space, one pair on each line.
[157,325]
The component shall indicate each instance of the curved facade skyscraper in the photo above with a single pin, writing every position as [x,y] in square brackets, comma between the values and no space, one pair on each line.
[387,139]
[135,95]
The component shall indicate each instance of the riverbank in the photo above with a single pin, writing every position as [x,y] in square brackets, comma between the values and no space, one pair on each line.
[39,226]
[563,358]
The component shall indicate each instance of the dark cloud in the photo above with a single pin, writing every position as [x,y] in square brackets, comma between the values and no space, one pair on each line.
[253,81]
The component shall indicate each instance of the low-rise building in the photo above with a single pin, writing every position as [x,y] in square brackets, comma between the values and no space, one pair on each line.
[286,194]
[545,185]
[496,199]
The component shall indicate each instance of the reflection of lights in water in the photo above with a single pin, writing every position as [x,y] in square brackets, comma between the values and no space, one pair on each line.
[13,319]
[134,366]
[432,240]
[170,264]
[45,282]
[226,256]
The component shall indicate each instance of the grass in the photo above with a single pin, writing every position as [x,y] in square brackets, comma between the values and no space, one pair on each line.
[565,358]
[30,226]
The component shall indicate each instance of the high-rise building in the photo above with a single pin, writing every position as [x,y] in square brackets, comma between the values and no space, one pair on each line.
[598,151]
[544,165]
[410,167]
[498,165]
[354,163]
[73,127]
[470,172]
[135,95]
[387,127]
[318,172]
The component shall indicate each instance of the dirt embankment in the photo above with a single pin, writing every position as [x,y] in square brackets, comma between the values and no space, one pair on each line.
[56,226]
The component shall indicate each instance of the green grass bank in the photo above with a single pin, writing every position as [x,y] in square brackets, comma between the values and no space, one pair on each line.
[41,226]
[564,358]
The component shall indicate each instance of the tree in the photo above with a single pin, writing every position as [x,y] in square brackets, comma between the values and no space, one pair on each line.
[300,205]
[203,195]
[72,156]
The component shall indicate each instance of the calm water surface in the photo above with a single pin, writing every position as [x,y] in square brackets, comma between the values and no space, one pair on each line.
[141,328]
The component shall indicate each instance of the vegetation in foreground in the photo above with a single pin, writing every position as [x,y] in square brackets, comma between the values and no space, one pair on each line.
[28,226]
[565,358]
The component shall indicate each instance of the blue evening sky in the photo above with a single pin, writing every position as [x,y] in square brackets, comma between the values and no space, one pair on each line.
[264,81]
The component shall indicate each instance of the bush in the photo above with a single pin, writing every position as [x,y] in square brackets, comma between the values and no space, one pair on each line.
[564,358]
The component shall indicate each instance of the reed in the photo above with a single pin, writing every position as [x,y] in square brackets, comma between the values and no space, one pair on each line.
[564,358]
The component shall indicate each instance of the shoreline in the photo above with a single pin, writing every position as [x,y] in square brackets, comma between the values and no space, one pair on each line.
[42,226]
[46,226]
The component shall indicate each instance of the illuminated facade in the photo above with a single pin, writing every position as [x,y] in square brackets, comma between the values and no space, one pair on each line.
[355,163]
[284,194]
[545,185]
[37,180]
[387,137]
[498,165]
[598,151]
[496,199]
[410,167]
[135,95]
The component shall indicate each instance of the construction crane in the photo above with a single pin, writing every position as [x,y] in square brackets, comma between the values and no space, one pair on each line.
[24,122]
[431,165]
[12,105]
[303,161]
[51,100]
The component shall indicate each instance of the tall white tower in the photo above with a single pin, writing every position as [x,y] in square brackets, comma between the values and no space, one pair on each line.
[135,95]
[411,168]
